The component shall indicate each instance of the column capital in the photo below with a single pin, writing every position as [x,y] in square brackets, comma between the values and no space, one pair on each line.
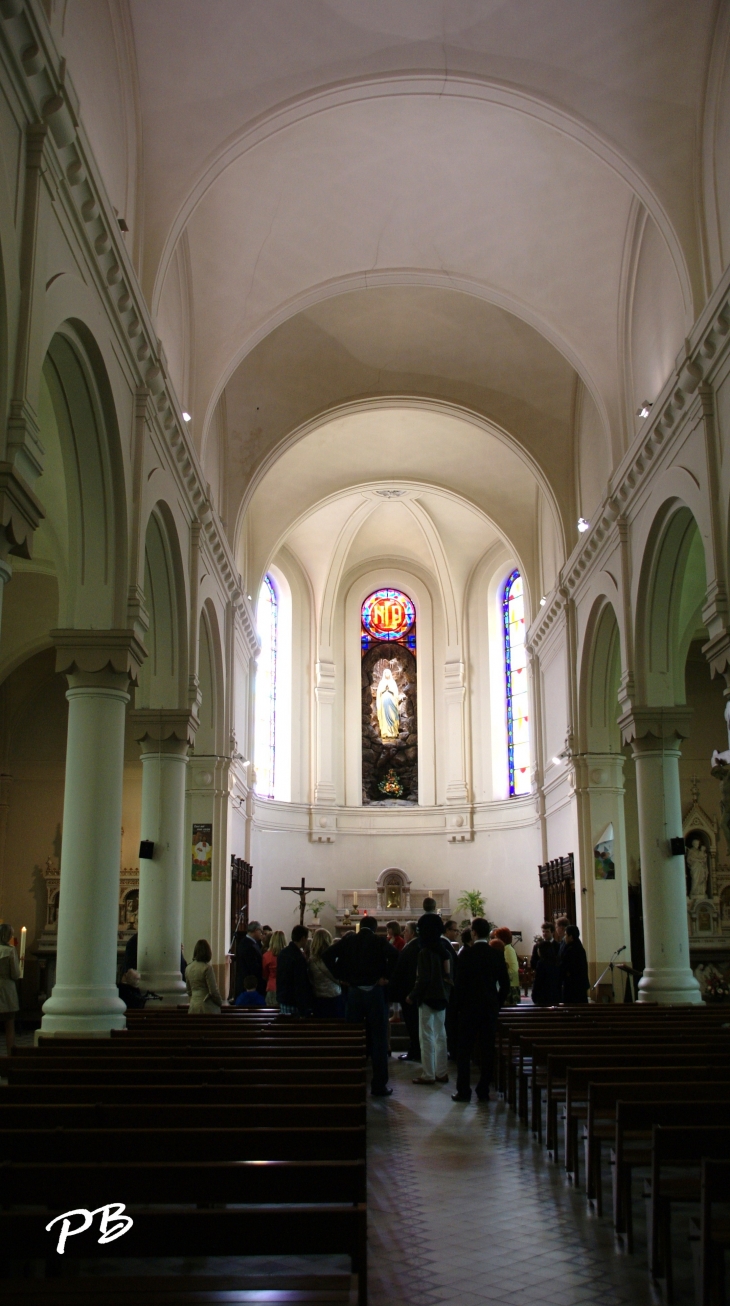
[116,653]
[649,728]
[163,729]
[20,512]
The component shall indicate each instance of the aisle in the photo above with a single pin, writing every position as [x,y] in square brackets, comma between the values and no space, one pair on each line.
[465,1208]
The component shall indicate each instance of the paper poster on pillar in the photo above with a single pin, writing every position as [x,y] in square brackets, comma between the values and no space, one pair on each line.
[202,852]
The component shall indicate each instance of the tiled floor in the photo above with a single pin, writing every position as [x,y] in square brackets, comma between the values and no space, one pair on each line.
[466,1208]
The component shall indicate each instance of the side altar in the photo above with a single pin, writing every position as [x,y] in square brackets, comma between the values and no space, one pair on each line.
[47,945]
[391,898]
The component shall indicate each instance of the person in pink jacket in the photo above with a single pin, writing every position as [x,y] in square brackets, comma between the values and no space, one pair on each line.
[268,963]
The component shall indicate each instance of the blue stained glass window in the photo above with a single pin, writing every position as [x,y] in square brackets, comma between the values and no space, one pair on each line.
[515,664]
[267,620]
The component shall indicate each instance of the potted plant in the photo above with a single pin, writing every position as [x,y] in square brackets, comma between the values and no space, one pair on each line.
[472,901]
[316,906]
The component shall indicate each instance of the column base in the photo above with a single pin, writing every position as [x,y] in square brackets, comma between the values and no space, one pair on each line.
[669,986]
[83,1011]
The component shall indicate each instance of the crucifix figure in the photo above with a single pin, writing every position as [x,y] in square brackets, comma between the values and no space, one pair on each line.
[302,890]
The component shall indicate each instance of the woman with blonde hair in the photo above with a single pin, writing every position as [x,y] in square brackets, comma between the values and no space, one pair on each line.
[205,1000]
[277,943]
[328,999]
[9,973]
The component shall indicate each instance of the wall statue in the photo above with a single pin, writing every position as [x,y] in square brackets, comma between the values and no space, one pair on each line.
[698,869]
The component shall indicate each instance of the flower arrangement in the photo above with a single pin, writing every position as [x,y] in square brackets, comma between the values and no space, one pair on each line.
[716,989]
[391,785]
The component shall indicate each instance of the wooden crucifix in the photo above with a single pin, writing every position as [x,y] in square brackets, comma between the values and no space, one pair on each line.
[302,890]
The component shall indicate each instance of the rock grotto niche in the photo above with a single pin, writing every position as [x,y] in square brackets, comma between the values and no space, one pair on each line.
[389,699]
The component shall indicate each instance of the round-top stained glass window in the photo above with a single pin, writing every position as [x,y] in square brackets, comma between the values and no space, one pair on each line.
[388,615]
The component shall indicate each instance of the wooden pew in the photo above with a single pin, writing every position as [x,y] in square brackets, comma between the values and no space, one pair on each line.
[677,1149]
[634,1120]
[711,1233]
[185,1232]
[204,1074]
[188,1115]
[591,1095]
[213,1143]
[240,1093]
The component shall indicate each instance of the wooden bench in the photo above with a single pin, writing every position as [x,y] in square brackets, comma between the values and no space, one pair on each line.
[213,1143]
[188,1115]
[634,1120]
[240,1093]
[183,1232]
[679,1151]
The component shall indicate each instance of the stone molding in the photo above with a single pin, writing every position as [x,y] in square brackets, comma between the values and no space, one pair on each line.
[153,727]
[91,652]
[47,95]
[647,728]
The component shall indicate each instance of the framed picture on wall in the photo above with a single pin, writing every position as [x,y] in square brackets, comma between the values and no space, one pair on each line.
[202,866]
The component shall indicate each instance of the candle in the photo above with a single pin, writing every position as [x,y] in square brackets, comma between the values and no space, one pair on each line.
[354,899]
[23,937]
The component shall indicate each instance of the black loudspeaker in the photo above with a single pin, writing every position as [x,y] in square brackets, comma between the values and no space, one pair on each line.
[678,847]
[147,849]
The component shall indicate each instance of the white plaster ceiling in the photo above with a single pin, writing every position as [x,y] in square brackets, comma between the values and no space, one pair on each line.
[402,340]
[465,485]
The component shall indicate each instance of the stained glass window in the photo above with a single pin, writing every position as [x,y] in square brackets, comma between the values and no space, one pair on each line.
[515,664]
[267,620]
[388,616]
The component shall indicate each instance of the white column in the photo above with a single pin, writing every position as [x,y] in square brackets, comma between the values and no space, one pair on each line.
[99,665]
[164,737]
[655,736]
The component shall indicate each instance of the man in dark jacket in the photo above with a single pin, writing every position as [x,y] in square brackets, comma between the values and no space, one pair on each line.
[366,963]
[402,984]
[482,984]
[293,990]
[249,957]
[573,968]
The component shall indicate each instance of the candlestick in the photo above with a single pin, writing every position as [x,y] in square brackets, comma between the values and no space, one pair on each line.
[23,937]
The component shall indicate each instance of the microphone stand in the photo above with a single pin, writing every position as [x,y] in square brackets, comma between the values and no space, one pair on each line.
[610,967]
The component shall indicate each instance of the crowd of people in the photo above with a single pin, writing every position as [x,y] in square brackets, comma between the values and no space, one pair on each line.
[445,983]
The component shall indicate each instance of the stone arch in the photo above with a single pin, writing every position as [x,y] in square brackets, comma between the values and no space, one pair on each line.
[600,677]
[94,481]
[671,595]
[209,739]
[163,676]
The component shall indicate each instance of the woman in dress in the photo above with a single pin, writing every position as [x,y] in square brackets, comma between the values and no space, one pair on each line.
[9,973]
[205,1000]
[328,999]
[277,943]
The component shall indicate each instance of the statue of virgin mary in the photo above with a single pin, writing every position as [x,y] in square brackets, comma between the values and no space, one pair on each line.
[387,705]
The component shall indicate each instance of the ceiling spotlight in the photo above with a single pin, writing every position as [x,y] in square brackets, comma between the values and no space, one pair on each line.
[543,601]
[248,596]
[186,417]
[555,761]
[645,409]
[583,525]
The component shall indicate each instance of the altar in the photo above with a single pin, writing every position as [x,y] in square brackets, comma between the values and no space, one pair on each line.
[47,944]
[391,898]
